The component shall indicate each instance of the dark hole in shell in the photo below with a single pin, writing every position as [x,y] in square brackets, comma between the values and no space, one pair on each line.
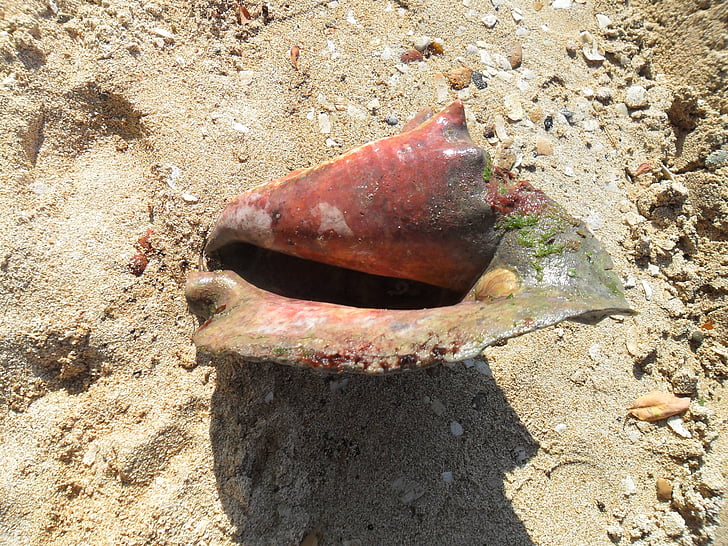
[297,278]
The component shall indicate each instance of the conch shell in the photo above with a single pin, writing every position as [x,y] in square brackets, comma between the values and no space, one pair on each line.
[489,256]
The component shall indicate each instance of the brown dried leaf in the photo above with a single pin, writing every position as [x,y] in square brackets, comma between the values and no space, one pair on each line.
[295,52]
[658,405]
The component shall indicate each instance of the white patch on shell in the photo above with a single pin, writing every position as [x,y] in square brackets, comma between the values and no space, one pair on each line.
[332,219]
[257,224]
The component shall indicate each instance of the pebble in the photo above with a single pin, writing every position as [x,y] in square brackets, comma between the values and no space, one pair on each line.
[603,94]
[548,122]
[459,78]
[479,80]
[561,4]
[717,159]
[664,489]
[560,428]
[621,109]
[544,146]
[456,428]
[447,477]
[391,119]
[697,337]
[490,20]
[514,108]
[374,105]
[420,43]
[189,198]
[514,54]
[568,114]
[517,15]
[571,48]
[635,97]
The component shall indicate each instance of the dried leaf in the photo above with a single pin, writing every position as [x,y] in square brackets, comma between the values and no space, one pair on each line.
[295,52]
[658,405]
[709,325]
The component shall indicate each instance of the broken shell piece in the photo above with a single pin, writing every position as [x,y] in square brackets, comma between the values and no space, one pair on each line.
[658,405]
[401,253]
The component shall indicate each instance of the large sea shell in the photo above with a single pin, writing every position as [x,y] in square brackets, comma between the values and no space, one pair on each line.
[401,253]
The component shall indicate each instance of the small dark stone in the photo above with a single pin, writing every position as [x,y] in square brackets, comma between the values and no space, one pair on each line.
[548,122]
[480,401]
[696,338]
[391,119]
[479,80]
[568,114]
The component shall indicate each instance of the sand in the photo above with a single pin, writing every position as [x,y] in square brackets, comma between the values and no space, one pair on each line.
[118,117]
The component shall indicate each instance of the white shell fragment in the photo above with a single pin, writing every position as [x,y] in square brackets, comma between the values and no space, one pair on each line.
[490,20]
[676,424]
[648,290]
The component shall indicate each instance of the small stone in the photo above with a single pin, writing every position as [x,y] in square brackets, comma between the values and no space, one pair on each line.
[603,95]
[490,20]
[479,80]
[514,54]
[673,524]
[571,48]
[447,477]
[189,198]
[514,108]
[420,43]
[621,109]
[568,115]
[391,119]
[536,114]
[717,159]
[544,146]
[459,78]
[697,337]
[664,489]
[561,4]
[517,15]
[635,97]
[374,105]
[560,428]
[548,122]
[456,428]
